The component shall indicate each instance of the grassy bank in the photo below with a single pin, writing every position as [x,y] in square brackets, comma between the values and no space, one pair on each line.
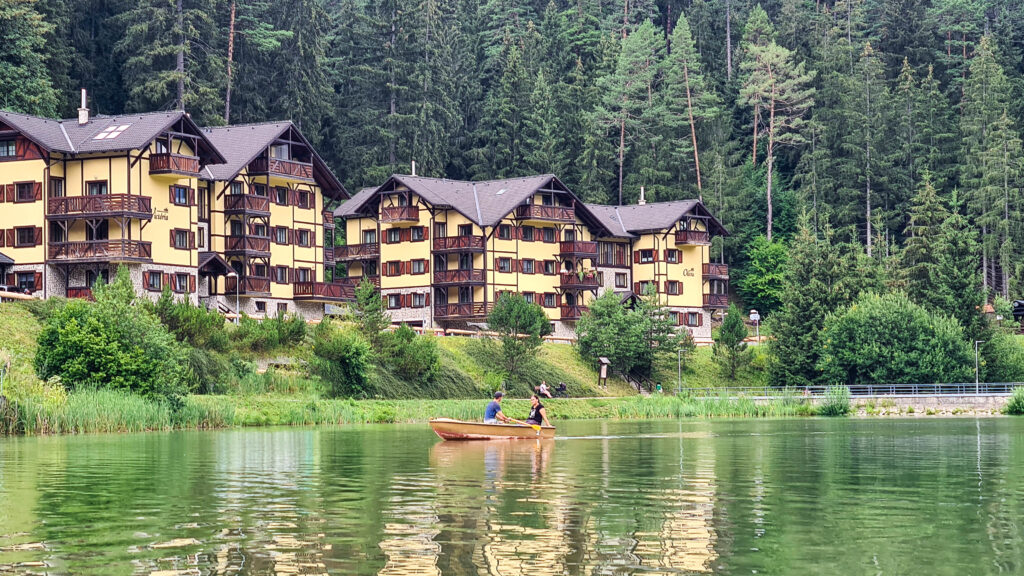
[109,411]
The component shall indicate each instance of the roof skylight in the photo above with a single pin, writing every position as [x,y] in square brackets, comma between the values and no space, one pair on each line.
[111,132]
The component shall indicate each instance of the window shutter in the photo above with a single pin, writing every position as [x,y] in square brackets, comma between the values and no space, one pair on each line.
[191,282]
[406,234]
[11,279]
[167,280]
[666,287]
[10,192]
[191,197]
[636,287]
[37,281]
[192,239]
[172,238]
[11,238]
[291,275]
[3,234]
[426,233]
[636,256]
[654,255]
[290,237]
[293,196]
[700,319]
[37,191]
[558,300]
[39,236]
[3,196]
[426,266]
[170,194]
[426,298]
[145,279]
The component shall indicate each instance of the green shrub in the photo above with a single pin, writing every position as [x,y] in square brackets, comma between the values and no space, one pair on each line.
[208,371]
[268,334]
[1015,405]
[836,402]
[384,414]
[341,360]
[194,325]
[410,356]
[114,343]
[889,339]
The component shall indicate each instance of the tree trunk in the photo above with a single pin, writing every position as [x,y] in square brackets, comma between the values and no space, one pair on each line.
[231,53]
[757,117]
[867,157]
[728,39]
[393,105]
[693,130]
[622,154]
[180,67]
[625,17]
[770,162]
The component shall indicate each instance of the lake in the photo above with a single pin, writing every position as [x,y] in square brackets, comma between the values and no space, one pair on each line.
[807,496]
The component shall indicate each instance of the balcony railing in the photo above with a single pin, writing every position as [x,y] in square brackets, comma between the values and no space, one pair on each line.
[100,206]
[578,248]
[442,277]
[328,219]
[716,270]
[286,168]
[692,237]
[400,214]
[165,163]
[328,255]
[81,292]
[254,244]
[572,312]
[459,244]
[716,300]
[102,250]
[249,285]
[248,203]
[323,291]
[357,252]
[354,281]
[546,213]
[462,310]
[573,281]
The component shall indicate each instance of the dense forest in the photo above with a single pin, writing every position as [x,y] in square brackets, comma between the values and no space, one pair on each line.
[843,113]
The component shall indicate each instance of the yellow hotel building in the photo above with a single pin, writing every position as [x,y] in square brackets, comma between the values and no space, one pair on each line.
[216,214]
[441,251]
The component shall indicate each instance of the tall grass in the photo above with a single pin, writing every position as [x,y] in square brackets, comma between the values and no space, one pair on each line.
[1015,405]
[836,402]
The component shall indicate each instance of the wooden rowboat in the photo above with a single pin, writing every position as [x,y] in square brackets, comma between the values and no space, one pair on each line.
[449,429]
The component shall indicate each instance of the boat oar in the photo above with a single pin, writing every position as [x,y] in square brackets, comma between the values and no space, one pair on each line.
[534,426]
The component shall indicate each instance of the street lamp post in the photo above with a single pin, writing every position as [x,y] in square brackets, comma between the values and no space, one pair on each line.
[976,385]
[234,274]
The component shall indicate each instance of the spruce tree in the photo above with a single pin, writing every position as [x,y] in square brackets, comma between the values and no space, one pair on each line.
[25,84]
[542,141]
[919,258]
[958,279]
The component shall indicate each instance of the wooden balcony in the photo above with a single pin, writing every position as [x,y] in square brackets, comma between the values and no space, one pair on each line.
[291,169]
[102,251]
[328,255]
[328,219]
[692,237]
[716,300]
[546,213]
[258,246]
[247,204]
[716,271]
[571,312]
[81,292]
[459,244]
[323,292]
[177,164]
[571,281]
[100,206]
[353,252]
[456,277]
[578,249]
[354,281]
[400,214]
[251,285]
[462,311]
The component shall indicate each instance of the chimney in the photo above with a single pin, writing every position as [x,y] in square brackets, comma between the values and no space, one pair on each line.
[642,200]
[413,167]
[83,112]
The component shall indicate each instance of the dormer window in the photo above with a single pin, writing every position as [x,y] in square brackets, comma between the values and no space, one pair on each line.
[547,199]
[7,149]
[280,152]
[236,188]
[161,146]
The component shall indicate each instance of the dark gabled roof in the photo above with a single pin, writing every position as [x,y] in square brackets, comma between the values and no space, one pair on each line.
[70,137]
[484,202]
[6,260]
[628,221]
[212,264]
[351,206]
[242,143]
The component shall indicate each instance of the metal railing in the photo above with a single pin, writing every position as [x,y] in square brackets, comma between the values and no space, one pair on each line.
[863,390]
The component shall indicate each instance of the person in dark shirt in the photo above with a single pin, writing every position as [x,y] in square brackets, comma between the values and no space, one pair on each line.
[538,416]
[493,415]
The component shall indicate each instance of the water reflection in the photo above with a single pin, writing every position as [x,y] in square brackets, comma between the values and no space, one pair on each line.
[937,497]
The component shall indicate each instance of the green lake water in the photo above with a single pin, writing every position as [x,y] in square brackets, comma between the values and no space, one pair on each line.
[808,496]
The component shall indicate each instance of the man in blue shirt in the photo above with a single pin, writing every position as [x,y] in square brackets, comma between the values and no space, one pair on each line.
[493,413]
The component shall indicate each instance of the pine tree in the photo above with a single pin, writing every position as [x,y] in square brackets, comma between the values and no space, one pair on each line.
[919,258]
[542,141]
[957,278]
[1001,190]
[628,92]
[778,91]
[869,99]
[730,348]
[937,132]
[25,84]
